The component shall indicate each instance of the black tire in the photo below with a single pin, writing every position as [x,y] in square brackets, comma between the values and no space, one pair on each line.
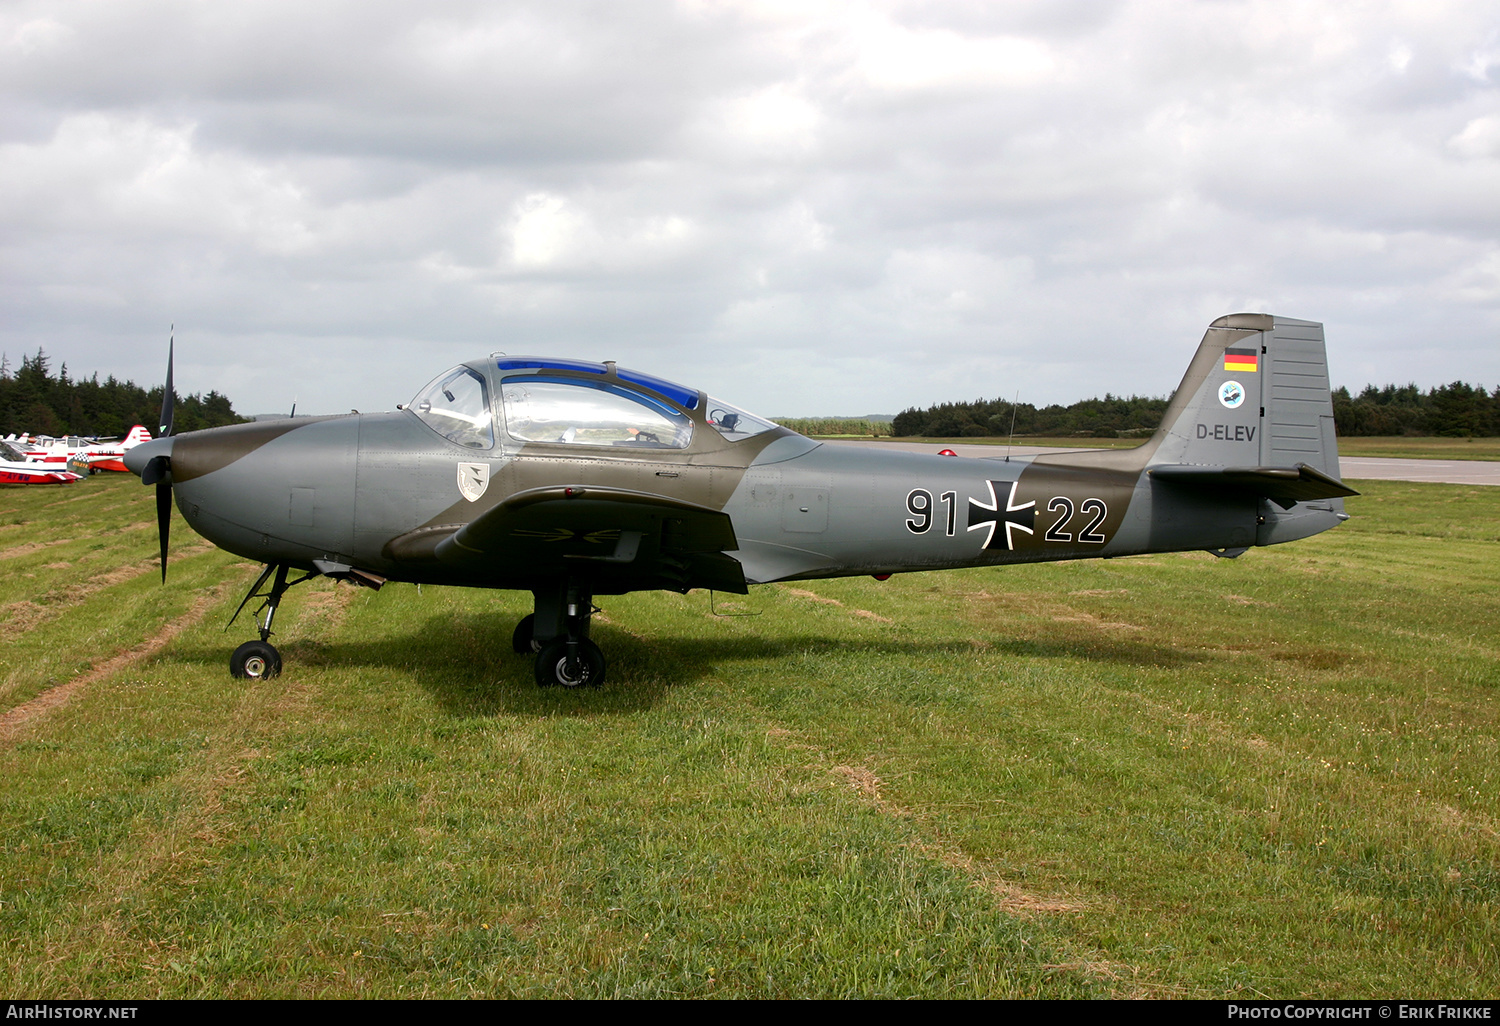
[552,665]
[524,638]
[255,660]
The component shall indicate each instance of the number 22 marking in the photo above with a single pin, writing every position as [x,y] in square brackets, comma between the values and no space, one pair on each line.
[1090,534]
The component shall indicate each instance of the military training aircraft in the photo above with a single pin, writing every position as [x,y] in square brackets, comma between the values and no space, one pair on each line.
[571,479]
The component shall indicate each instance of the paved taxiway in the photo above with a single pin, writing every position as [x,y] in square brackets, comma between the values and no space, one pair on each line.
[1474,472]
[1478,472]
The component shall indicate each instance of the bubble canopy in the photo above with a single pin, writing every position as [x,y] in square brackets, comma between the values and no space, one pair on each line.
[619,408]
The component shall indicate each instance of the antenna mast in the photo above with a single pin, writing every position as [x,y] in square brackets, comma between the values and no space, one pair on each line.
[1012,425]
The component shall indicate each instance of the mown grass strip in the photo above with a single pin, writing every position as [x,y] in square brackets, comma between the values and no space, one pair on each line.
[1172,775]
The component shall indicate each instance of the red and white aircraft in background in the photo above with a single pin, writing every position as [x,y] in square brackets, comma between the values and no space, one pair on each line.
[75,450]
[15,468]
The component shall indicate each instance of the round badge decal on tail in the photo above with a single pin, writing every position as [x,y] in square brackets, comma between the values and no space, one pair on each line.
[1231,394]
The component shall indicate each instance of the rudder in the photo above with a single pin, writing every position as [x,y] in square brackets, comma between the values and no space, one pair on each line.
[1297,398]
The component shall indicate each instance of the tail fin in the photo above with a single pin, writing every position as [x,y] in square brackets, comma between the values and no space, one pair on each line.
[1256,394]
[1254,413]
[137,435]
[1251,424]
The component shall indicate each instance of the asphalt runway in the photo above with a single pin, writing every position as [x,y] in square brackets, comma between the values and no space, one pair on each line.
[1370,468]
[1376,468]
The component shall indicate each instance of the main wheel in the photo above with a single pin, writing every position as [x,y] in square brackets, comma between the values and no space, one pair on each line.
[524,638]
[586,671]
[255,660]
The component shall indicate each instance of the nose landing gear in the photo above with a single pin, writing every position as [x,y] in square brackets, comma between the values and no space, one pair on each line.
[259,660]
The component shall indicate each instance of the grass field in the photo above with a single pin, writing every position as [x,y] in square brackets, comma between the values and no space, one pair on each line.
[1167,776]
[1399,448]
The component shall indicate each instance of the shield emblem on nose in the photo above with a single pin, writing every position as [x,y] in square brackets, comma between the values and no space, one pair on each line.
[473,479]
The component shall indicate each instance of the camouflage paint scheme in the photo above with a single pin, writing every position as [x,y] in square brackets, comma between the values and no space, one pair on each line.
[1245,455]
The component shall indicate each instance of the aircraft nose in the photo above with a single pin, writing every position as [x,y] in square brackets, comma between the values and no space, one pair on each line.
[137,456]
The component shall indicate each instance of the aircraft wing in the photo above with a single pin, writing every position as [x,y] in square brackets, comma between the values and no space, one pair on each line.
[1285,486]
[618,537]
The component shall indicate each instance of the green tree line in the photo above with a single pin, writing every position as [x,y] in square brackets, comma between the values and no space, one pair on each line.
[1110,417]
[1456,410]
[32,399]
[836,426]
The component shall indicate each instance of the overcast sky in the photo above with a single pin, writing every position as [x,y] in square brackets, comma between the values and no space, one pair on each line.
[802,208]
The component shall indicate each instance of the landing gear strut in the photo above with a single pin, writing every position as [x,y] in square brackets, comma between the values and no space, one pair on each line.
[258,660]
[559,633]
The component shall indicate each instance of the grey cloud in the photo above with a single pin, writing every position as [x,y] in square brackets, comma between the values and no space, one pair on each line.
[805,209]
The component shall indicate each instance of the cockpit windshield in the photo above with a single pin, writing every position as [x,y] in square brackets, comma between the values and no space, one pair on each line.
[457,406]
[734,423]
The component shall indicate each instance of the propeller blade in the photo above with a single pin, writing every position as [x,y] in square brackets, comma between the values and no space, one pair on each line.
[164,521]
[159,470]
[167,400]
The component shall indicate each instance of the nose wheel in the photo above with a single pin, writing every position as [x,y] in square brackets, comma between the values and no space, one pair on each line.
[255,660]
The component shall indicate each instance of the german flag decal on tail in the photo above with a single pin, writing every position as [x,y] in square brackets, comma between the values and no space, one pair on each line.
[1242,360]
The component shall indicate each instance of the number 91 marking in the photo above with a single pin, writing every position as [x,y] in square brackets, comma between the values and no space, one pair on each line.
[919,505]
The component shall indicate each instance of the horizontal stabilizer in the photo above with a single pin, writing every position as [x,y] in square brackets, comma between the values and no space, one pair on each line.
[1285,486]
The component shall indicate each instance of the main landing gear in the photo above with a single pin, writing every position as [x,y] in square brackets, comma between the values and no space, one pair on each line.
[257,660]
[558,632]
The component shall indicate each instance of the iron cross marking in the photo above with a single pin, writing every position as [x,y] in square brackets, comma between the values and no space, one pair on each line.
[991,516]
